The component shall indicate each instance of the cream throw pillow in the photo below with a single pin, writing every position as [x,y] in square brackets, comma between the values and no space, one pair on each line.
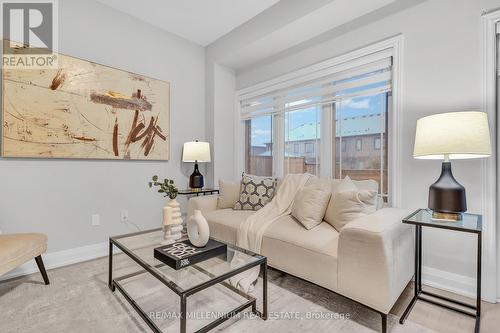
[309,205]
[344,185]
[229,193]
[349,205]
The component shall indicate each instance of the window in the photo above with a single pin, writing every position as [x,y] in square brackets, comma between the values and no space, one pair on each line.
[302,128]
[359,144]
[363,119]
[259,146]
[287,121]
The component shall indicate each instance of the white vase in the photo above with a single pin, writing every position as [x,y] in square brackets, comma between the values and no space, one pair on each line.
[198,230]
[172,222]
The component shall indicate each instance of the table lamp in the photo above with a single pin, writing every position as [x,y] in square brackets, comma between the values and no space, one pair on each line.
[196,152]
[449,136]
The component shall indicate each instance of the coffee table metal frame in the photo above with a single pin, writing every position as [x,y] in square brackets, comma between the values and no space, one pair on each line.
[115,283]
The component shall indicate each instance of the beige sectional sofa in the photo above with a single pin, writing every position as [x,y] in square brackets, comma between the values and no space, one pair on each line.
[370,260]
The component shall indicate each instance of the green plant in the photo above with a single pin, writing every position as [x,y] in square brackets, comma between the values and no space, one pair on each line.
[167,187]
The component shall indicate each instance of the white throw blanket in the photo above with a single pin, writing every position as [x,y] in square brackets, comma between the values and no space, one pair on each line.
[251,232]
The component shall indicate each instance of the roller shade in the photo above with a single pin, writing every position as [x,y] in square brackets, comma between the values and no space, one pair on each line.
[498,48]
[368,79]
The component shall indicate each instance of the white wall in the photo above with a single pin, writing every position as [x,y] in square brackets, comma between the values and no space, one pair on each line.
[224,130]
[441,72]
[57,197]
[209,114]
[220,115]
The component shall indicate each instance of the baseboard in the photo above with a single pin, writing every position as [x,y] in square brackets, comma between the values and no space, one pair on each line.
[62,258]
[458,284]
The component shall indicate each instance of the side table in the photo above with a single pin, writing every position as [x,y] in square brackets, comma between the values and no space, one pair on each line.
[471,223]
[197,192]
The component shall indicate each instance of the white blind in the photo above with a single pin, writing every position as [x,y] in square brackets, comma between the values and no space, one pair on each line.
[368,79]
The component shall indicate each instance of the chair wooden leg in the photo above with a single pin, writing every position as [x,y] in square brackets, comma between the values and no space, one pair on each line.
[384,322]
[41,267]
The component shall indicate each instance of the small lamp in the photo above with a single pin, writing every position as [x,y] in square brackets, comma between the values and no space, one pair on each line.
[196,152]
[448,136]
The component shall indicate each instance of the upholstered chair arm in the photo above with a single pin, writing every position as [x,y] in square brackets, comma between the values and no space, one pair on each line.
[205,203]
[375,258]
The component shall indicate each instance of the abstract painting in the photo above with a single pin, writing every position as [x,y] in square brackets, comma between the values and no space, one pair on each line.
[84,110]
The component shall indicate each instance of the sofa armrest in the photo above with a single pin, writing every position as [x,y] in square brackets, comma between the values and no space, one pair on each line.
[375,258]
[205,203]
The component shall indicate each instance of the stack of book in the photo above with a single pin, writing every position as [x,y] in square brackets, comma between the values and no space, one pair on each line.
[183,254]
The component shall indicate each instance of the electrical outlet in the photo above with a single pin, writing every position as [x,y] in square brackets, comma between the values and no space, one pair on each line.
[96,219]
[124,216]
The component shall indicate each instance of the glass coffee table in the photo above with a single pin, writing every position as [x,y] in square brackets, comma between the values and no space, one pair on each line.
[186,281]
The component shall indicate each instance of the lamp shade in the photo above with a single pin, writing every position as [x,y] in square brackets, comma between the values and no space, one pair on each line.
[459,135]
[196,151]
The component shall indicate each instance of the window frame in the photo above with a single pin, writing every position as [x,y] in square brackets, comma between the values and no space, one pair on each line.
[392,46]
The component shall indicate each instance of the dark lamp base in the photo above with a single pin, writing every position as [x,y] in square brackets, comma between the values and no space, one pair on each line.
[446,196]
[196,178]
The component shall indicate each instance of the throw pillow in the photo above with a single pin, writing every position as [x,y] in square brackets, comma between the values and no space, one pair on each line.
[229,193]
[349,205]
[255,192]
[310,204]
[366,184]
[343,185]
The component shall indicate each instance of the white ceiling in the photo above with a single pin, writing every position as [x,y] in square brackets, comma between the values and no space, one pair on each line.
[241,49]
[201,21]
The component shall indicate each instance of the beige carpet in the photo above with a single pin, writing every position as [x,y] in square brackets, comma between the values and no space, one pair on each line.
[78,300]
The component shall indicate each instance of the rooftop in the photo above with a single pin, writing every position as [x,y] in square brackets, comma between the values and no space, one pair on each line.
[351,126]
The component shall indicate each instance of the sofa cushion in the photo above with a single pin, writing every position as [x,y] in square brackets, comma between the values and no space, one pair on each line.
[337,185]
[224,223]
[308,254]
[370,185]
[367,184]
[255,192]
[309,205]
[229,193]
[16,249]
[347,206]
[347,184]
